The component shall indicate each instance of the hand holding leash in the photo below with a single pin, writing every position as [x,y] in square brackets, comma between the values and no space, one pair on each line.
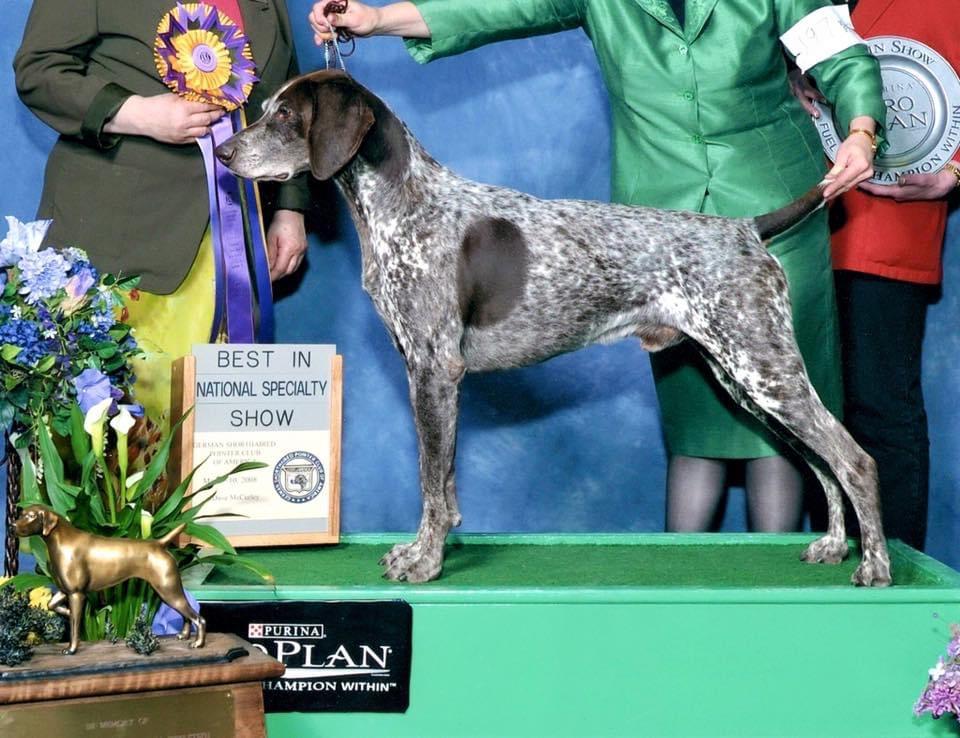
[340,21]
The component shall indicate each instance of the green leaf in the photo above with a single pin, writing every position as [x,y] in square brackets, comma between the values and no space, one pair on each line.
[9,352]
[79,439]
[7,413]
[173,505]
[46,363]
[52,463]
[226,560]
[209,534]
[193,512]
[63,497]
[38,548]
[29,489]
[159,462]
[24,582]
[128,283]
[238,469]
[96,508]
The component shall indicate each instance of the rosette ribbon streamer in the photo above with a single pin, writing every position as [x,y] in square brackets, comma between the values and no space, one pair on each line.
[203,56]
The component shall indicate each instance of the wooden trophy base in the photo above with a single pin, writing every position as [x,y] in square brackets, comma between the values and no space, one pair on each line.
[106,689]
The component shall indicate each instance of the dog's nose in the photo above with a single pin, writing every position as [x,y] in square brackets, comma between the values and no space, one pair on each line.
[226,151]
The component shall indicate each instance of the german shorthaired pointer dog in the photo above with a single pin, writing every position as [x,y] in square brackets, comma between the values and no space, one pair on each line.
[469,277]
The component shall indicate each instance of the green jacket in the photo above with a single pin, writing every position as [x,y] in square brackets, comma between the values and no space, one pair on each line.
[706,108]
[134,204]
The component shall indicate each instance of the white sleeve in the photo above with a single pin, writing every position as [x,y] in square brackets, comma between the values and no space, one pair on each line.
[820,35]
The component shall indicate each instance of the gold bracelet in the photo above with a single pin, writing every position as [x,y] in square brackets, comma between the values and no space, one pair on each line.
[869,134]
[953,169]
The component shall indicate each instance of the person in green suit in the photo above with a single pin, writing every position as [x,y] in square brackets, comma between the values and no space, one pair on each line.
[703,120]
[125,180]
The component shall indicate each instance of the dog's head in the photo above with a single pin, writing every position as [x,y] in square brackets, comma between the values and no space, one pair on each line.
[317,121]
[36,520]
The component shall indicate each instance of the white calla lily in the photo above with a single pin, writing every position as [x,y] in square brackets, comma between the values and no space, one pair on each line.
[95,416]
[133,479]
[146,524]
[122,422]
[93,424]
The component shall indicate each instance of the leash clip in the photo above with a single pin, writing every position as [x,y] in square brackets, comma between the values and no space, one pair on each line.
[332,55]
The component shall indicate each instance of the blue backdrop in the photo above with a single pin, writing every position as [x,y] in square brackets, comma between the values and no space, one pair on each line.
[570,445]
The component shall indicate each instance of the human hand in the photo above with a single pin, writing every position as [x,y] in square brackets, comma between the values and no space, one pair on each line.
[805,92]
[286,243]
[357,20]
[167,118]
[853,165]
[916,187]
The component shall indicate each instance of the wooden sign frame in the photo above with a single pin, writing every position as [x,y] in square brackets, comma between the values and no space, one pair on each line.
[183,389]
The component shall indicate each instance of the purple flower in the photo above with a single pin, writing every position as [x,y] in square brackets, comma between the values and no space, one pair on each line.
[92,386]
[43,273]
[77,287]
[135,410]
[168,621]
[21,239]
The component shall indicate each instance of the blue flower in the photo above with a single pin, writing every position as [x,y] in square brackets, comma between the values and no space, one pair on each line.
[21,239]
[43,273]
[135,410]
[93,386]
[28,336]
[168,621]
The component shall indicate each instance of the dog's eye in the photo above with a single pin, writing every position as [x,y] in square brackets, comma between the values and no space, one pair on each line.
[283,113]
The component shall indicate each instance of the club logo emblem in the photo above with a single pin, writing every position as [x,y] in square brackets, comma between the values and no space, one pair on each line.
[298,477]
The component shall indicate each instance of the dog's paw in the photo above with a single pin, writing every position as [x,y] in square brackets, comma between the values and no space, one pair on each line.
[826,550]
[411,562]
[874,570]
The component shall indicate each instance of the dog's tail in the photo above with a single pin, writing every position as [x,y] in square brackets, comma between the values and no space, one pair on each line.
[770,224]
[165,541]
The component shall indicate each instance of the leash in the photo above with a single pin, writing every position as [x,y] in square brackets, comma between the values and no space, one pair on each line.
[332,55]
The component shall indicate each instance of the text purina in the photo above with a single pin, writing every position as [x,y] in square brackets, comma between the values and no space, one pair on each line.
[293,630]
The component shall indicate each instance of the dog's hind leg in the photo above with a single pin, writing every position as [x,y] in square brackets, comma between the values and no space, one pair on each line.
[435,396]
[831,548]
[751,340]
[815,431]
[181,604]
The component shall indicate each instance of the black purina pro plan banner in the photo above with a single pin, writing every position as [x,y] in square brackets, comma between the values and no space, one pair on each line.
[340,656]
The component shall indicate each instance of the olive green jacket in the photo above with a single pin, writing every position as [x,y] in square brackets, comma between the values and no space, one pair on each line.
[705,108]
[135,205]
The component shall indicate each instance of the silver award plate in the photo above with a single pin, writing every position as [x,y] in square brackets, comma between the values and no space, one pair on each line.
[921,92]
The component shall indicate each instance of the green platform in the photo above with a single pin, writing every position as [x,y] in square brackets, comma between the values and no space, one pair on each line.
[649,635]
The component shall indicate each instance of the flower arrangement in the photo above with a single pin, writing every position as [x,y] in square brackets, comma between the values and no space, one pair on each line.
[25,621]
[60,320]
[942,693]
[65,355]
[86,490]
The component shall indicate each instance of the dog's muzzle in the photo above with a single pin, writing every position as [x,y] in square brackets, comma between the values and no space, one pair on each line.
[226,152]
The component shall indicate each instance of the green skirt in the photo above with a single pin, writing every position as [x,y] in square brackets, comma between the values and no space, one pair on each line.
[698,417]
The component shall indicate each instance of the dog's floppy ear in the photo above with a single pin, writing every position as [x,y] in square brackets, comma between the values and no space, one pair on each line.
[50,520]
[341,119]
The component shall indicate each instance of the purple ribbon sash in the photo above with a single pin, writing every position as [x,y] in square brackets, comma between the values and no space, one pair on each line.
[244,303]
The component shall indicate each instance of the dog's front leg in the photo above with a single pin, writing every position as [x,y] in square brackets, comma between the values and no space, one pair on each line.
[435,395]
[76,614]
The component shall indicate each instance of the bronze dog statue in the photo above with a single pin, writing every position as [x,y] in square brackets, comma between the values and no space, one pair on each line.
[81,562]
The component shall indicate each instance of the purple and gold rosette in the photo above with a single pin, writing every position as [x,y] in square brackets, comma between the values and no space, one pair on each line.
[203,56]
